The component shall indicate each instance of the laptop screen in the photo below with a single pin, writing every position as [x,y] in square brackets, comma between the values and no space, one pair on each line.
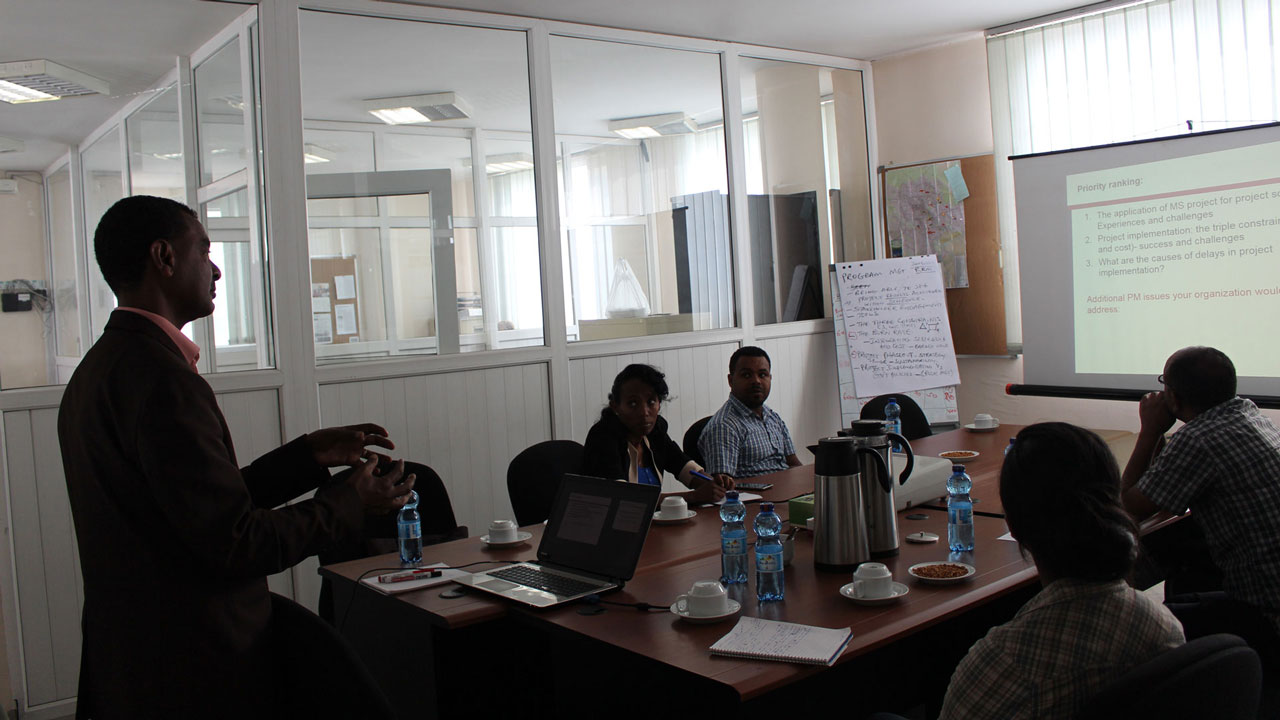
[598,525]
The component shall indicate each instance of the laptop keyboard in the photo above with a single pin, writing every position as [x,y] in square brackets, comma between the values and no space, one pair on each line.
[535,578]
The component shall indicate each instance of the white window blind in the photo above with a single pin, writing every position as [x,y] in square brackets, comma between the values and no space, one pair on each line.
[1151,70]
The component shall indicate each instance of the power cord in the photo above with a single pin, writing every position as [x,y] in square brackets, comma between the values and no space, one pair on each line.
[640,606]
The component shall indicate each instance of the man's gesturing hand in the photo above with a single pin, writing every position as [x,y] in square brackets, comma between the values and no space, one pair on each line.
[346,445]
[380,493]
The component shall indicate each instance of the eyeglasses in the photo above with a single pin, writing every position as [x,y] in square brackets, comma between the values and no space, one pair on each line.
[1160,378]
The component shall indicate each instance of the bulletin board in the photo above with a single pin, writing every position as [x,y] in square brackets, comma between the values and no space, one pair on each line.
[976,312]
[335,310]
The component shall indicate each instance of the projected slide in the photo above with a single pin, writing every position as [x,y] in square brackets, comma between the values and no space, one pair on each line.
[1176,252]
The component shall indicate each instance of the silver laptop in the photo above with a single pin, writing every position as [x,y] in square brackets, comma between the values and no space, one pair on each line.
[591,544]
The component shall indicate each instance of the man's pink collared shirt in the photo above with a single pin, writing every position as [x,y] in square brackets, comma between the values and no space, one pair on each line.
[190,351]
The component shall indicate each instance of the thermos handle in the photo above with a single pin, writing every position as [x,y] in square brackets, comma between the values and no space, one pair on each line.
[885,480]
[911,457]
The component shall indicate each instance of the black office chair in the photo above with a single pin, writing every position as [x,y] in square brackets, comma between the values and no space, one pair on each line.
[534,476]
[1216,676]
[320,674]
[914,423]
[690,441]
[381,534]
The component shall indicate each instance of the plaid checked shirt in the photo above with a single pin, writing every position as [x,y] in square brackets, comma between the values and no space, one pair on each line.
[738,443]
[1225,466]
[1064,645]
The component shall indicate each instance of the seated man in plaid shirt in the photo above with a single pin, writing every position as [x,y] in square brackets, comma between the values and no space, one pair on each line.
[745,438]
[1223,464]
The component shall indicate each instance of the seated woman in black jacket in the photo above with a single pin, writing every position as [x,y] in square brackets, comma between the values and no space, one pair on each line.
[630,442]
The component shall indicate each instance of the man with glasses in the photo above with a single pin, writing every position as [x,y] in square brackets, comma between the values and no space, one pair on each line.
[1223,464]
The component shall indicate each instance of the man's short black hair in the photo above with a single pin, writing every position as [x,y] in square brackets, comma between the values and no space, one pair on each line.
[1060,488]
[125,233]
[747,351]
[1201,377]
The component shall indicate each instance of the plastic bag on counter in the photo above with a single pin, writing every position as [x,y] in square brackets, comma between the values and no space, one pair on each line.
[626,296]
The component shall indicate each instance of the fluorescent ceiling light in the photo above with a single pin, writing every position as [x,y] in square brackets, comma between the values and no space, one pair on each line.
[647,126]
[11,145]
[312,154]
[39,80]
[412,109]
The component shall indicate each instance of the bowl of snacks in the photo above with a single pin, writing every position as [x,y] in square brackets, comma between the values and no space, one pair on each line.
[941,572]
[959,456]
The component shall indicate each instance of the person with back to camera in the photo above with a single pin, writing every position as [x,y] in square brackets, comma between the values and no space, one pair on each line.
[176,540]
[1060,487]
[630,441]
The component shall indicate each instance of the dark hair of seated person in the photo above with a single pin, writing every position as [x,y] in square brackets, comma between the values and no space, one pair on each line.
[648,374]
[1060,487]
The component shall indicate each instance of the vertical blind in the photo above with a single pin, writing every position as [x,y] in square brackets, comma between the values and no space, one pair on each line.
[1157,69]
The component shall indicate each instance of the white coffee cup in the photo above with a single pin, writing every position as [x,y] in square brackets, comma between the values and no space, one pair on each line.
[983,420]
[872,581]
[502,531]
[705,599]
[673,507]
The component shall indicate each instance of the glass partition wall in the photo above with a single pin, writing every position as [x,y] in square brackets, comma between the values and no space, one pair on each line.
[143,147]
[644,208]
[808,194]
[412,251]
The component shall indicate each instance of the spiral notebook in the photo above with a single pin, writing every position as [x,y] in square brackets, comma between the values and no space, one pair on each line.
[788,642]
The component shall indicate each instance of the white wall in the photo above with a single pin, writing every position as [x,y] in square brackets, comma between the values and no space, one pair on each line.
[935,103]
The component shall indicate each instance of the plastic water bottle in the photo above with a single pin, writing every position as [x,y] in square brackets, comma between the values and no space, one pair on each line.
[1009,448]
[959,510]
[769,581]
[733,540]
[893,419]
[410,530]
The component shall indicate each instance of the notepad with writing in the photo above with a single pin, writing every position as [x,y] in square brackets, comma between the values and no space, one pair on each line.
[761,639]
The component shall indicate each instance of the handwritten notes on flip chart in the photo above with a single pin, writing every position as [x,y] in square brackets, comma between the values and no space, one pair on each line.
[892,333]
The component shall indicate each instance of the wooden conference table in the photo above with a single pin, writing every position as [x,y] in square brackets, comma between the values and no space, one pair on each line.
[563,653]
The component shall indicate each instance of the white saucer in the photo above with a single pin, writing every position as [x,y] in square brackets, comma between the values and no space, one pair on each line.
[521,536]
[657,518]
[974,428]
[970,571]
[898,591]
[734,607]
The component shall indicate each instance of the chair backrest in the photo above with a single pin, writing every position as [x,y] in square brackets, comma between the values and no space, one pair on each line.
[321,675]
[534,476]
[438,521]
[1216,676]
[914,423]
[690,442]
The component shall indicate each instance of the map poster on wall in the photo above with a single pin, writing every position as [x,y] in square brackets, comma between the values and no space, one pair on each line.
[924,212]
[894,316]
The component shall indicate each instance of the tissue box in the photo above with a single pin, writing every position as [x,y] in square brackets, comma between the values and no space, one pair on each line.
[800,509]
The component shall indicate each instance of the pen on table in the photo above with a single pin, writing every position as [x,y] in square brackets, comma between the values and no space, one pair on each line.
[419,574]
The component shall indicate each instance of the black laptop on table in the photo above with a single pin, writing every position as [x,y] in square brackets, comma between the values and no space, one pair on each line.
[591,545]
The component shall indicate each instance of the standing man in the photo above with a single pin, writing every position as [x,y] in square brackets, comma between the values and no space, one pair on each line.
[175,540]
[1223,464]
[745,438]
